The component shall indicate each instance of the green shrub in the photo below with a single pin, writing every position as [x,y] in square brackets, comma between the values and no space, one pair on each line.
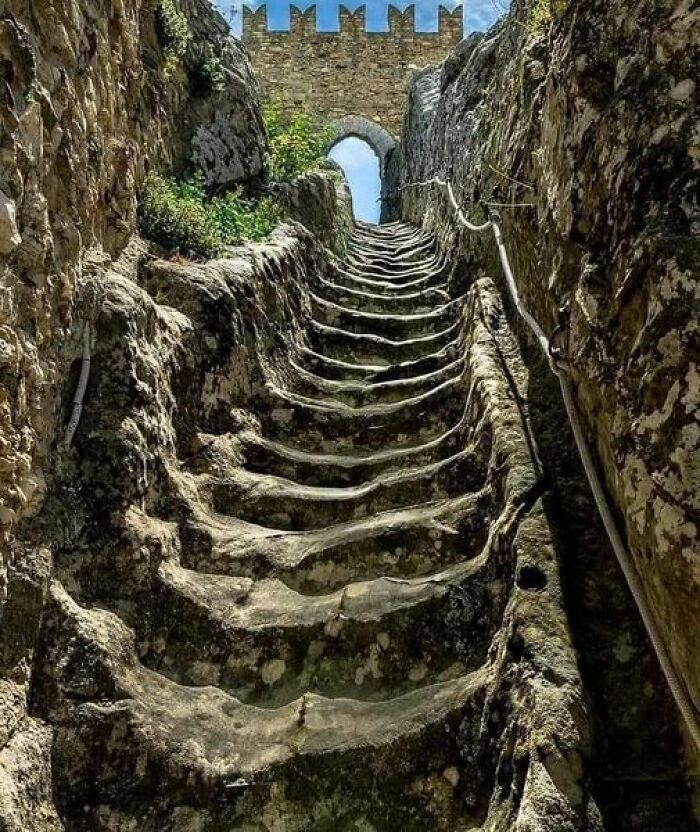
[297,143]
[181,217]
[241,219]
[175,215]
[173,33]
[207,76]
[542,12]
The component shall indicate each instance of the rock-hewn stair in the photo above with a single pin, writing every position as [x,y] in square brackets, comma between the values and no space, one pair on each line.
[339,624]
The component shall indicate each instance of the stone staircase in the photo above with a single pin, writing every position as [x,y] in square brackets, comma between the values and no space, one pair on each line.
[342,638]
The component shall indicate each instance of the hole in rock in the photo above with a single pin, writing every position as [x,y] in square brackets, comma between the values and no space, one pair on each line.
[532,579]
[361,167]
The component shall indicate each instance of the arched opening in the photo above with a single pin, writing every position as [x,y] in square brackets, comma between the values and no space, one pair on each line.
[360,165]
[366,152]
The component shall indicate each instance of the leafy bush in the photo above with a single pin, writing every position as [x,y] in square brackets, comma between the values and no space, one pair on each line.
[241,219]
[207,76]
[175,216]
[297,143]
[542,12]
[173,33]
[181,217]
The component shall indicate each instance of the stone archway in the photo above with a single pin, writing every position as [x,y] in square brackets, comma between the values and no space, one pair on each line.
[379,139]
[382,143]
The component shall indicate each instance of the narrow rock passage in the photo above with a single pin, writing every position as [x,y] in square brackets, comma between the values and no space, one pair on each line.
[359,624]
[374,487]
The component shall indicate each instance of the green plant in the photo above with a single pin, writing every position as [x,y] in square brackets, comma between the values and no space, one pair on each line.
[297,142]
[175,215]
[181,217]
[173,33]
[542,12]
[240,219]
[207,76]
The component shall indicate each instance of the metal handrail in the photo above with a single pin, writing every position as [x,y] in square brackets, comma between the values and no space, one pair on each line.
[80,389]
[559,368]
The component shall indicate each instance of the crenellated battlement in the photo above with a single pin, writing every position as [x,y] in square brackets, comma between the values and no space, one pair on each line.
[400,21]
[347,70]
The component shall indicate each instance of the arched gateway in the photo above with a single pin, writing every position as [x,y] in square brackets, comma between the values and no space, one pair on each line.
[382,143]
[379,139]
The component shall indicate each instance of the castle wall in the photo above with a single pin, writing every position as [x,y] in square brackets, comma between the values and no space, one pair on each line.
[350,72]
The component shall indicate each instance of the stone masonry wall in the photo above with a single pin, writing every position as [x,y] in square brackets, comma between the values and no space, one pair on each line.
[351,72]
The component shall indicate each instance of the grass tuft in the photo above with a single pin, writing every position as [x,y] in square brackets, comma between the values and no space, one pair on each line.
[181,217]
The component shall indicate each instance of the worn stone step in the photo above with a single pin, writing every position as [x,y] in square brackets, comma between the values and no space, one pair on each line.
[416,302]
[393,273]
[367,348]
[390,257]
[360,393]
[386,235]
[419,366]
[328,425]
[198,749]
[264,456]
[401,543]
[268,644]
[334,368]
[387,232]
[423,280]
[385,324]
[284,504]
[408,236]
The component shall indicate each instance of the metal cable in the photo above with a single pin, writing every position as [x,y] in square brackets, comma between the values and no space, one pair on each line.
[629,570]
[80,388]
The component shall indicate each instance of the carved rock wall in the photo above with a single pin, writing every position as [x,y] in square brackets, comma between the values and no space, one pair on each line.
[86,109]
[593,122]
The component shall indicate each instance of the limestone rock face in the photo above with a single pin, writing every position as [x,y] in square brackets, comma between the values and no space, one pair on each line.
[86,108]
[304,577]
[221,132]
[591,129]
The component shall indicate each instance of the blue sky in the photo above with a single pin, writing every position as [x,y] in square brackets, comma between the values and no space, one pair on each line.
[478,14]
[361,167]
[355,157]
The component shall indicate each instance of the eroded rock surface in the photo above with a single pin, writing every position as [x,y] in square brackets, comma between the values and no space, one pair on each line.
[593,124]
[86,107]
[309,581]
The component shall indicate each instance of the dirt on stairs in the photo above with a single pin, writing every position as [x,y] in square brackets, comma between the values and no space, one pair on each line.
[354,618]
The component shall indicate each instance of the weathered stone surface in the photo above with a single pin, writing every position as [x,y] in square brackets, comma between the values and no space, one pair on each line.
[26,783]
[305,567]
[594,123]
[308,582]
[85,110]
[222,133]
[321,201]
[9,235]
